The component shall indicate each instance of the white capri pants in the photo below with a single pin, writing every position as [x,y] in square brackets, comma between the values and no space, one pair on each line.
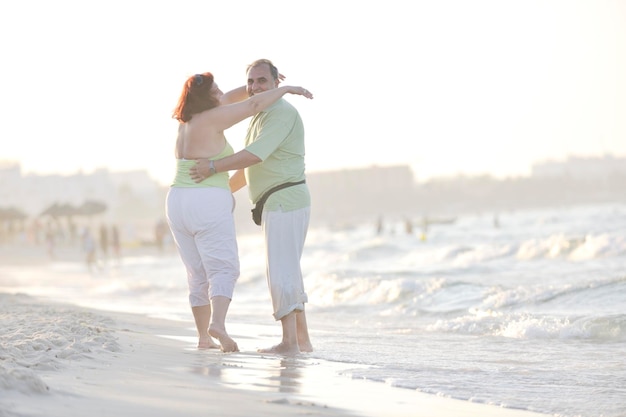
[202,224]
[285,233]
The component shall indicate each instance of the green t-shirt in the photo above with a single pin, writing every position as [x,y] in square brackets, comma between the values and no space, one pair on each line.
[276,136]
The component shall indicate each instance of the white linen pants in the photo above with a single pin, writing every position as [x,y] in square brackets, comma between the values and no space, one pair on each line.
[285,233]
[202,224]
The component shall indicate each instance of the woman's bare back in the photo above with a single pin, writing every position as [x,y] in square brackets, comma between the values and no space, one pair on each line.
[197,139]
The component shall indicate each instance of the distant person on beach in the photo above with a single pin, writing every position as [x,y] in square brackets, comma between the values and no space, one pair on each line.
[89,249]
[104,241]
[273,156]
[424,229]
[50,237]
[379,226]
[408,226]
[200,214]
[160,229]
[116,244]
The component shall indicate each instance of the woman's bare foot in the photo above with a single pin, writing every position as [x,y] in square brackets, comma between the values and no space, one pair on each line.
[228,344]
[207,343]
[282,349]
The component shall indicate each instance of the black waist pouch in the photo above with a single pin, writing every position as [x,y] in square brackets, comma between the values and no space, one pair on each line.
[257,211]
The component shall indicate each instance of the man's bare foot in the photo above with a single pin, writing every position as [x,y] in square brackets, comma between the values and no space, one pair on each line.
[305,347]
[207,343]
[282,349]
[228,344]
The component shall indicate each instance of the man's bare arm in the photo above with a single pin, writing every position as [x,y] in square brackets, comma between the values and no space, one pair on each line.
[239,160]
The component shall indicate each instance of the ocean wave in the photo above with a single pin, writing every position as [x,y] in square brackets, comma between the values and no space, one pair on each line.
[351,288]
[531,326]
[588,310]
[574,248]
[483,253]
[611,328]
[374,249]
[410,293]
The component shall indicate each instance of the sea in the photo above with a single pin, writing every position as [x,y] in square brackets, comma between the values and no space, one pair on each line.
[526,310]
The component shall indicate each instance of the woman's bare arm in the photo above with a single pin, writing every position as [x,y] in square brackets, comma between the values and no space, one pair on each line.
[237,181]
[234,96]
[224,117]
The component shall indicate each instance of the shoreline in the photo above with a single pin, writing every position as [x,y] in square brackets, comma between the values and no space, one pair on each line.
[132,365]
[17,254]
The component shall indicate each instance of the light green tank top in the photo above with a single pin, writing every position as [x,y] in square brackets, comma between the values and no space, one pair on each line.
[183,179]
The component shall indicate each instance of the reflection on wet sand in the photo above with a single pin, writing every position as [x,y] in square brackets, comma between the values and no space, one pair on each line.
[256,372]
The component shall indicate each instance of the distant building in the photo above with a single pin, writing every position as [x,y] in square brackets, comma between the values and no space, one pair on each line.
[34,193]
[340,197]
[359,192]
[581,168]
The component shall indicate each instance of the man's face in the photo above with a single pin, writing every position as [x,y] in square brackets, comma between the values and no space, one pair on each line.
[260,79]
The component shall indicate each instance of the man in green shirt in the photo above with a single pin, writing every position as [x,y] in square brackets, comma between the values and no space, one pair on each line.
[274,155]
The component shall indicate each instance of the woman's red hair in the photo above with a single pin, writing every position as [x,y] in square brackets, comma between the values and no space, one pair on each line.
[196,97]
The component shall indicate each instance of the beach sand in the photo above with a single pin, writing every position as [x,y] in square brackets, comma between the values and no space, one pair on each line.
[62,360]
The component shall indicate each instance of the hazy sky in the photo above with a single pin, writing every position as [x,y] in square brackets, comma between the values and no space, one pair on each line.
[446,86]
